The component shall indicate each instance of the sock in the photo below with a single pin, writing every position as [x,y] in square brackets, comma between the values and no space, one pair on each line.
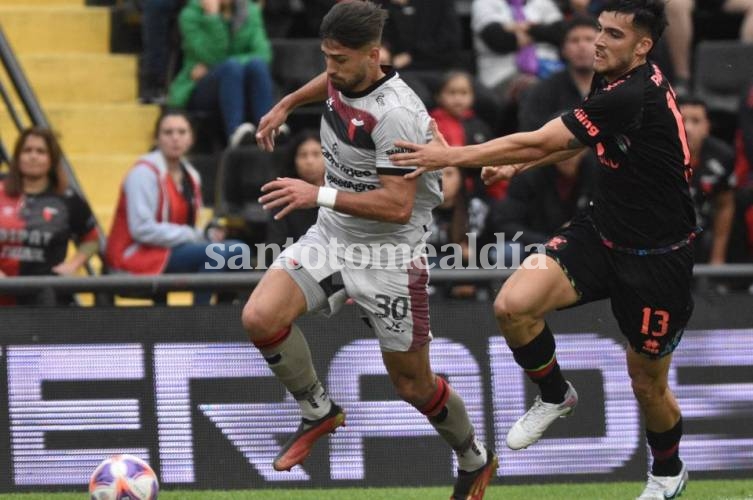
[665,447]
[289,358]
[446,412]
[538,360]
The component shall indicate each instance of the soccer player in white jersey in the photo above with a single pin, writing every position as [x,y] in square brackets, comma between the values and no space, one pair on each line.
[365,201]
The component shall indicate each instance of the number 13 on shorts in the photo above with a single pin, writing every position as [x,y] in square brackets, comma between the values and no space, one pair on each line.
[655,318]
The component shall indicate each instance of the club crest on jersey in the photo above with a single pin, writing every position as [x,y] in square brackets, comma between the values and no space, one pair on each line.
[557,243]
[48,213]
[354,122]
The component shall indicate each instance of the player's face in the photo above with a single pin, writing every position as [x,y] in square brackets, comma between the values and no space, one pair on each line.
[619,45]
[309,162]
[348,69]
[456,96]
[697,126]
[34,161]
[578,48]
[175,137]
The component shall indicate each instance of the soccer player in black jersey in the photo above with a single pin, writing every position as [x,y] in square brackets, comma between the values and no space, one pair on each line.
[633,245]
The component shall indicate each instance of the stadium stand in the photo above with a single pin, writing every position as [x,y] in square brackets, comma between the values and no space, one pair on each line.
[722,68]
[88,94]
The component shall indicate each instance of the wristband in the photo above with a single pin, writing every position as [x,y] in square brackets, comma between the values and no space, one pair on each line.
[326,197]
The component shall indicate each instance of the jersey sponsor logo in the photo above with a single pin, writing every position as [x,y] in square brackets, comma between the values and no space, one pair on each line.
[22,254]
[357,187]
[584,120]
[350,172]
[601,154]
[395,151]
[25,236]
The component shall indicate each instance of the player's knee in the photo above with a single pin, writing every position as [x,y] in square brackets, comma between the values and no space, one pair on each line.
[257,323]
[413,391]
[511,307]
[648,390]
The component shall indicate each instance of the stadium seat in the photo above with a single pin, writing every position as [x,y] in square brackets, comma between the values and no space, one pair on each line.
[242,173]
[721,70]
[296,61]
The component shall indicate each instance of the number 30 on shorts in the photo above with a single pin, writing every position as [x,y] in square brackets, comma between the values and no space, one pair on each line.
[658,317]
[396,308]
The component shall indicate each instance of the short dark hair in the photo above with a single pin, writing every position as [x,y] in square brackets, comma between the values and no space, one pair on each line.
[579,21]
[692,100]
[649,15]
[354,24]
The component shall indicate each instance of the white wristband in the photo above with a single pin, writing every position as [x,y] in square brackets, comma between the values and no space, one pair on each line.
[326,197]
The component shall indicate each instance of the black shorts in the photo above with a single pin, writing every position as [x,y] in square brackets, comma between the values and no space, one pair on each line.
[650,294]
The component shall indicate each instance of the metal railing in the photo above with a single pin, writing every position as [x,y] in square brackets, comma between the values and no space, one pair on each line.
[127,284]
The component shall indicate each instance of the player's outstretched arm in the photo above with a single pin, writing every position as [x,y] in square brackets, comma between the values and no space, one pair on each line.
[521,148]
[313,91]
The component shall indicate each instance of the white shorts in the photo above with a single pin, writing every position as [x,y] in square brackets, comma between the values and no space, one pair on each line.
[395,301]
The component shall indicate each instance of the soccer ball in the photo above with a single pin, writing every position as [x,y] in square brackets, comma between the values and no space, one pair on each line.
[123,477]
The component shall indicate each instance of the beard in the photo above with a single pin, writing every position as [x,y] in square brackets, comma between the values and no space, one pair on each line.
[349,85]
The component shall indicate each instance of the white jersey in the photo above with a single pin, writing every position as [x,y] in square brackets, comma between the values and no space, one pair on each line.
[358,134]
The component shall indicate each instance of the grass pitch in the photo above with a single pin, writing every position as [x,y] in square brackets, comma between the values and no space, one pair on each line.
[697,490]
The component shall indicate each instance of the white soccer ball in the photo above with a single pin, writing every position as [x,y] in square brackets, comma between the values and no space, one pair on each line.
[123,477]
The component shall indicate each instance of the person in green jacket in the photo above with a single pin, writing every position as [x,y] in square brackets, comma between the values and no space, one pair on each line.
[226,56]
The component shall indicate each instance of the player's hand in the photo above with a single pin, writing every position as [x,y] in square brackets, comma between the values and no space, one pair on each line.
[269,127]
[492,175]
[427,157]
[290,194]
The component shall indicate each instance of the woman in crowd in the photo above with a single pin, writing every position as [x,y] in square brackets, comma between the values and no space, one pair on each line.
[40,215]
[154,229]
[226,56]
[304,161]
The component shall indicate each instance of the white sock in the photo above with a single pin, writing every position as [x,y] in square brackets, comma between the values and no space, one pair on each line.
[473,458]
[316,404]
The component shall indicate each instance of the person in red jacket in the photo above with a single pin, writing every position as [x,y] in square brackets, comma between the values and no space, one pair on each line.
[40,215]
[154,229]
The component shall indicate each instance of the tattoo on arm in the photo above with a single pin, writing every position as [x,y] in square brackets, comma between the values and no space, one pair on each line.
[574,144]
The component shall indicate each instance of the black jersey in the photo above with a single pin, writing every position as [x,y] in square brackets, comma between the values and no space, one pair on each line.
[713,174]
[642,198]
[35,230]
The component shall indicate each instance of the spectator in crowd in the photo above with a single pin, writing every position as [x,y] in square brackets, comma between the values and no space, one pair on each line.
[744,141]
[454,112]
[565,89]
[156,25]
[450,226]
[422,35]
[459,124]
[680,33]
[580,7]
[543,200]
[226,55]
[154,229]
[304,161]
[40,215]
[516,44]
[713,182]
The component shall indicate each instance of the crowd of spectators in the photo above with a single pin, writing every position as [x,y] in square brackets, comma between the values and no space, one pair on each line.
[511,65]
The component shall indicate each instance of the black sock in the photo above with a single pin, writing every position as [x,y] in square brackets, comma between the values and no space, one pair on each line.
[665,447]
[538,360]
